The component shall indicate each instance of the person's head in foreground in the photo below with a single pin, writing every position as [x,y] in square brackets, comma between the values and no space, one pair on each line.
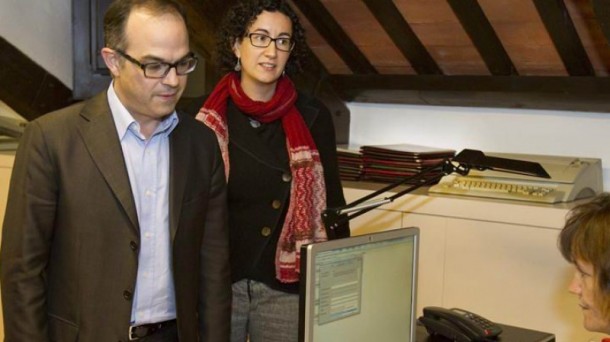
[585,242]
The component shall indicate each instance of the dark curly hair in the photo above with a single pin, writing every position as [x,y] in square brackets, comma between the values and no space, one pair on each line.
[238,20]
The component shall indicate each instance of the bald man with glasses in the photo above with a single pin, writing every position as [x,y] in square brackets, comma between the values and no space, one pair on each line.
[116,224]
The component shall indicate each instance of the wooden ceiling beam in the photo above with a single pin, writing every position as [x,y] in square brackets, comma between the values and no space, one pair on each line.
[560,26]
[402,35]
[335,36]
[479,29]
[541,101]
[586,94]
[510,84]
[601,8]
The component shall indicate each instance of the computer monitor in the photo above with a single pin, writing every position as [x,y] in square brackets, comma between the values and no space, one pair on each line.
[361,288]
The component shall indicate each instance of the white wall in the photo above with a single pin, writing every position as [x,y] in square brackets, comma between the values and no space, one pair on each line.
[486,129]
[43,31]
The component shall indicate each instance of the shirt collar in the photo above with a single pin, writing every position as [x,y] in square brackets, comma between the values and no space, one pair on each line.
[124,121]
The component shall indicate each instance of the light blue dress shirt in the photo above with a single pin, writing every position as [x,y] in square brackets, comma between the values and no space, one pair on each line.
[147,163]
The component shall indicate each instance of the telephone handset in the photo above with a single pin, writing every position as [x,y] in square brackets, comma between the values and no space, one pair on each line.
[458,325]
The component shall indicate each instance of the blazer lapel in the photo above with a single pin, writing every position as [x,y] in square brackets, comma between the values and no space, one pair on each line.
[179,149]
[100,136]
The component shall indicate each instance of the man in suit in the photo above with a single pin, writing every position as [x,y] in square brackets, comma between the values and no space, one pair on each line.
[116,224]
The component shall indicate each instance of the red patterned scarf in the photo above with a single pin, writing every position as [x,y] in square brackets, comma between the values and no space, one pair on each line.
[303,223]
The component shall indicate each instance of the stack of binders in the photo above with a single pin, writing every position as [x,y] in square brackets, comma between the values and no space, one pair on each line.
[391,163]
[350,162]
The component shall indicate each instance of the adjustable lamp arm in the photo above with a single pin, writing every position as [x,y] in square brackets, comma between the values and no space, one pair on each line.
[334,217]
[461,164]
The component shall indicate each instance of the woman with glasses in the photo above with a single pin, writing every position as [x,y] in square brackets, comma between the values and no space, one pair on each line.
[279,156]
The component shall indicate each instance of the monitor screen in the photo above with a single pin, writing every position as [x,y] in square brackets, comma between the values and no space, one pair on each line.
[361,288]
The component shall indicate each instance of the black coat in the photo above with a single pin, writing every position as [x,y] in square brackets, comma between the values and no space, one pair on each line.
[259,186]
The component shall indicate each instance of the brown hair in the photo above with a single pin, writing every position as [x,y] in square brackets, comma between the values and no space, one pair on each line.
[586,237]
[118,12]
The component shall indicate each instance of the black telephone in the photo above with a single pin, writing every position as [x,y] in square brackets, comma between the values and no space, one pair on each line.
[458,324]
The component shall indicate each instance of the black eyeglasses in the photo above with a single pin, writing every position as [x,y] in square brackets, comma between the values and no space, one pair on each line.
[262,40]
[161,69]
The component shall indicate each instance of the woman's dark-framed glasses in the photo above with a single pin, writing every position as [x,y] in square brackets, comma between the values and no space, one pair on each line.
[262,40]
[161,69]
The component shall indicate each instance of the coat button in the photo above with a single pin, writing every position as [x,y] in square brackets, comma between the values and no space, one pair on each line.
[286,177]
[133,245]
[127,295]
[266,231]
[276,204]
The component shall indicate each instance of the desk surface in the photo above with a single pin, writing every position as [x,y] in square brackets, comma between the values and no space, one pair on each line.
[509,334]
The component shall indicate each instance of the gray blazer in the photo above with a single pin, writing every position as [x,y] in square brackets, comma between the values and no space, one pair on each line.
[70,238]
